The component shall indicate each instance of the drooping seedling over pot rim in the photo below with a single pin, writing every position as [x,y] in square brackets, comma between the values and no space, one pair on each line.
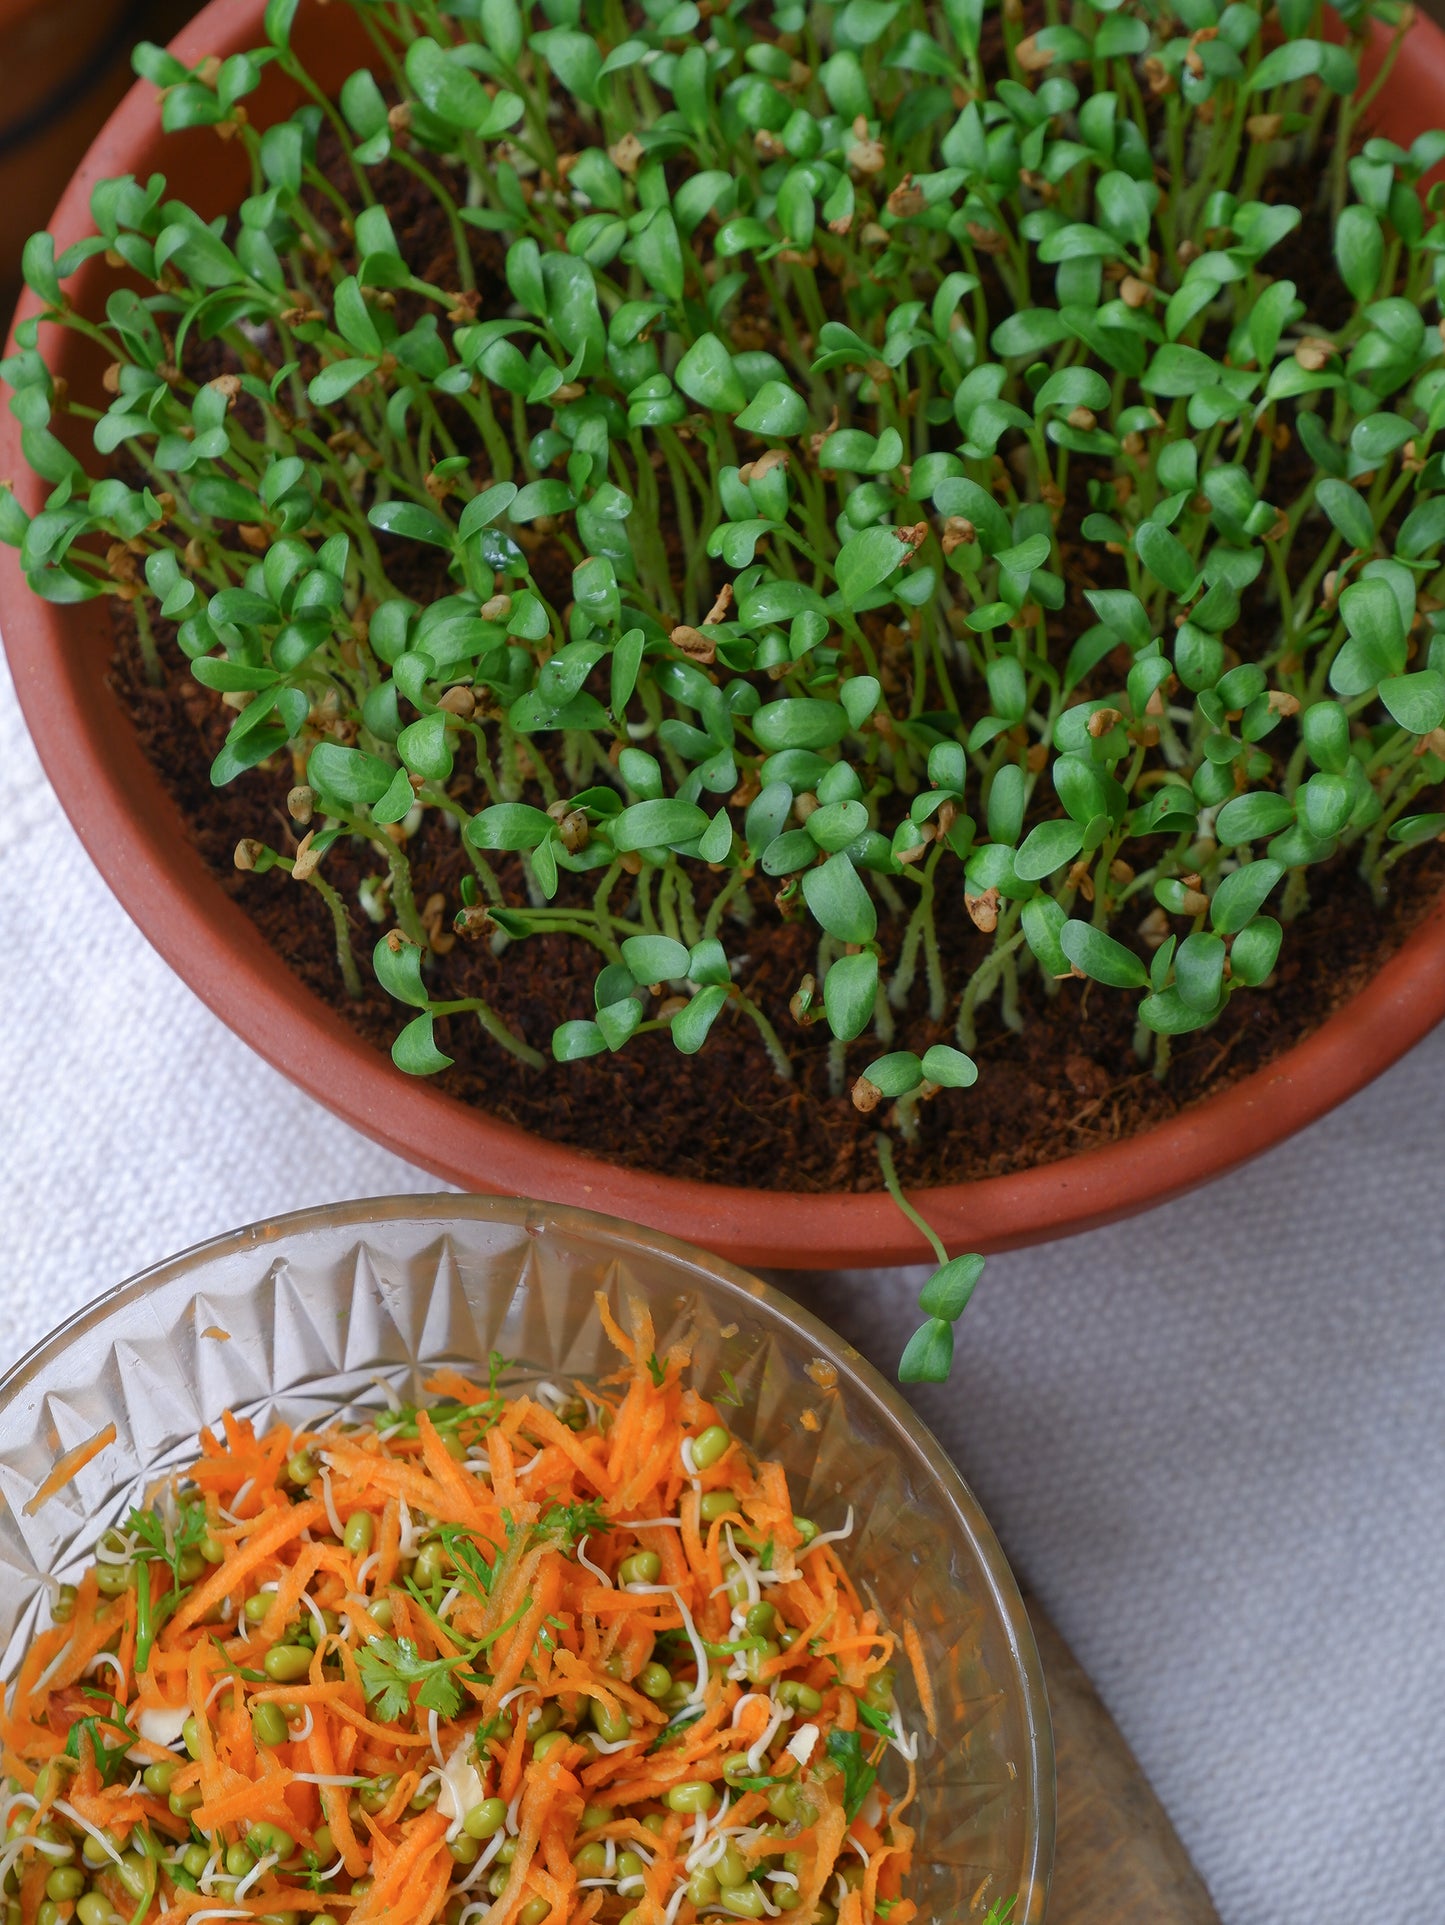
[960,511]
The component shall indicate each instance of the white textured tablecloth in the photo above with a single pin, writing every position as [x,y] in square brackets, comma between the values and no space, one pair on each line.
[1210,1439]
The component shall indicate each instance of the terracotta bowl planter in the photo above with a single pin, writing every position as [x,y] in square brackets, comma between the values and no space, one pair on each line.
[60,658]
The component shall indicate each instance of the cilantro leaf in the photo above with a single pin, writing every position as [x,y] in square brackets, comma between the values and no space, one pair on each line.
[447,1415]
[734,1395]
[877,1720]
[441,1693]
[160,1544]
[674,1729]
[845,1748]
[228,1663]
[475,1570]
[390,1666]
[568,1524]
[110,1760]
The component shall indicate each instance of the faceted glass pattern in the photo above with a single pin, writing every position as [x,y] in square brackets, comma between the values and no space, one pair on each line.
[317,1311]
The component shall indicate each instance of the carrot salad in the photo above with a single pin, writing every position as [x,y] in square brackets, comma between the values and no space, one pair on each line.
[561,1656]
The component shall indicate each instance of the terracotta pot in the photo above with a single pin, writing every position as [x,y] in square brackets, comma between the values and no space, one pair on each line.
[60,656]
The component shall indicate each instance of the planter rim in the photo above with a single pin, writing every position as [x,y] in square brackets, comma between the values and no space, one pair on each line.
[210,943]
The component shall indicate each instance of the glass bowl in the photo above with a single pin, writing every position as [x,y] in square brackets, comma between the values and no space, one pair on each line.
[320,1310]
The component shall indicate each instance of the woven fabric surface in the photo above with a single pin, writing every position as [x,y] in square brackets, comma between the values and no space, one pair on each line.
[1210,1439]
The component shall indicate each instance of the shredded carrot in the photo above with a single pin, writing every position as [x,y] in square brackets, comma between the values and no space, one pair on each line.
[261,1545]
[918,1664]
[407,1863]
[68,1466]
[616,1336]
[511,1629]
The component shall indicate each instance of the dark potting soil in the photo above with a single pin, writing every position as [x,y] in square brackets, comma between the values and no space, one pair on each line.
[1068,1081]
